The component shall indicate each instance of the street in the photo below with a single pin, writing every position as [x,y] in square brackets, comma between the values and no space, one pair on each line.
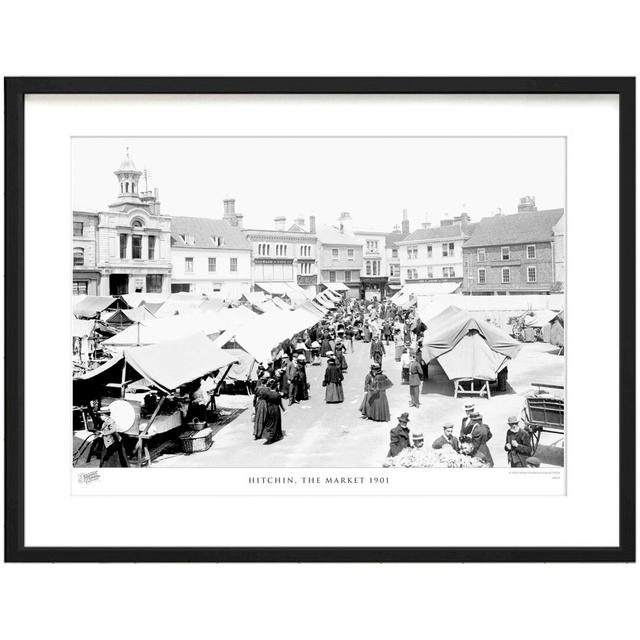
[334,435]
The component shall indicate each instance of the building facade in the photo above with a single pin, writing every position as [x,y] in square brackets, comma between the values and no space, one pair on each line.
[512,254]
[340,255]
[285,254]
[132,241]
[392,250]
[374,275]
[86,275]
[209,255]
[434,254]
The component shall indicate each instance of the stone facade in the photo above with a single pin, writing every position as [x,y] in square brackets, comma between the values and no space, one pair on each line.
[86,276]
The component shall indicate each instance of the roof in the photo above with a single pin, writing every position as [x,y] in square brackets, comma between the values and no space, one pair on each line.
[457,230]
[393,237]
[202,230]
[518,228]
[91,305]
[330,235]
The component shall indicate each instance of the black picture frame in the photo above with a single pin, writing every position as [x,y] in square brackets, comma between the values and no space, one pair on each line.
[15,91]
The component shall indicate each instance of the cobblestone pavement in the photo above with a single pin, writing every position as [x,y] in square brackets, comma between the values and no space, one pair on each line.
[334,435]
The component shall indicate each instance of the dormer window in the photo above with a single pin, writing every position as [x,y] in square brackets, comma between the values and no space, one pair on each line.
[216,241]
[189,239]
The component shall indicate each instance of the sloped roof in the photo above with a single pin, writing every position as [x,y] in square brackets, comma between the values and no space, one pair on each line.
[447,231]
[395,236]
[518,228]
[330,235]
[202,230]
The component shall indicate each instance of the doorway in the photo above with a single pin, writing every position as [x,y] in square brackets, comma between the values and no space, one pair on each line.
[118,284]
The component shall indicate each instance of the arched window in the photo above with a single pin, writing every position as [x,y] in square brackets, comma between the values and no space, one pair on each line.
[78,257]
[137,224]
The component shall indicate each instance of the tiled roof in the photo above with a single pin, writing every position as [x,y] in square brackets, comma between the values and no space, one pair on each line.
[202,230]
[456,230]
[331,235]
[518,228]
[391,238]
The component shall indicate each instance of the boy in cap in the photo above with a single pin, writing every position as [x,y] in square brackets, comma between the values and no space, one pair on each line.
[517,444]
[399,436]
[418,440]
[447,438]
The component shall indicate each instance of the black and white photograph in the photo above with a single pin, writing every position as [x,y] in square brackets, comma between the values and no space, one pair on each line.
[353,302]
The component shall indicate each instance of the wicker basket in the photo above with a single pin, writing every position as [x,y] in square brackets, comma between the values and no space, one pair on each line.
[197,441]
[196,425]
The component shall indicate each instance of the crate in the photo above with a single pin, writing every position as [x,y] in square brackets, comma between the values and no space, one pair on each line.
[197,441]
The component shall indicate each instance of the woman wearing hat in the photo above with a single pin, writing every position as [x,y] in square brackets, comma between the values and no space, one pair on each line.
[480,434]
[272,429]
[260,407]
[368,380]
[340,357]
[377,405]
[333,382]
[300,387]
[325,345]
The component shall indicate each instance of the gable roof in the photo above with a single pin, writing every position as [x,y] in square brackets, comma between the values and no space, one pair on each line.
[331,235]
[202,230]
[456,230]
[518,228]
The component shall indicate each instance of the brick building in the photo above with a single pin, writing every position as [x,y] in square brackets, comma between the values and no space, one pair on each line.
[512,254]
[86,275]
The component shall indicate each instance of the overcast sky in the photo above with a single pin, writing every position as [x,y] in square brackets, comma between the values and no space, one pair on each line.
[373,178]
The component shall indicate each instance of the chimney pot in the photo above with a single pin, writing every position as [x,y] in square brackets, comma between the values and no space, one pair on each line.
[312,224]
[280,222]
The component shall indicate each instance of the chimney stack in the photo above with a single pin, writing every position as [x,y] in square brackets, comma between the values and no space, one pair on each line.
[229,207]
[527,203]
[405,223]
[238,220]
[312,224]
[299,222]
[280,222]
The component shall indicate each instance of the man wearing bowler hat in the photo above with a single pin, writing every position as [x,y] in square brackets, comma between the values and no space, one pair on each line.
[399,436]
[517,444]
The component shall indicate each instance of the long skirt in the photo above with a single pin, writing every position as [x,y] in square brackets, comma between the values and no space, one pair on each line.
[484,454]
[261,414]
[363,404]
[399,349]
[333,392]
[378,407]
[273,423]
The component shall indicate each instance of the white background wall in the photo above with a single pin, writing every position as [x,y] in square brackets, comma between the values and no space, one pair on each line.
[462,38]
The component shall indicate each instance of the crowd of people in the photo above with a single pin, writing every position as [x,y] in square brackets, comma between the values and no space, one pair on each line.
[380,324]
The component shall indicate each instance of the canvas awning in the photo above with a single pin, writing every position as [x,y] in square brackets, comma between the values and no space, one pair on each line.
[448,328]
[81,328]
[279,302]
[472,357]
[172,364]
[332,295]
[274,288]
[129,316]
[541,318]
[336,286]
[90,306]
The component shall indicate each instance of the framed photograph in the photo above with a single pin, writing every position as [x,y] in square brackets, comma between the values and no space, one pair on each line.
[320,319]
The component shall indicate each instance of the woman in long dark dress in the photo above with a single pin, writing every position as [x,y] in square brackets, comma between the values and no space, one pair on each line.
[300,391]
[273,415]
[341,360]
[368,379]
[260,408]
[377,403]
[333,383]
[326,345]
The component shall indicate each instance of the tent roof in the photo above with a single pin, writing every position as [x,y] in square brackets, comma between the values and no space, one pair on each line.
[449,327]
[541,318]
[274,288]
[91,305]
[472,357]
[139,314]
[515,303]
[177,306]
[325,301]
[279,302]
[175,363]
[138,299]
[336,286]
[158,330]
[332,295]
[211,305]
[430,288]
[81,328]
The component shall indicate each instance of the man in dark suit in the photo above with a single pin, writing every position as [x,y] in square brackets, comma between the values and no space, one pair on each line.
[480,434]
[517,444]
[415,377]
[377,350]
[399,436]
[447,438]
[467,423]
